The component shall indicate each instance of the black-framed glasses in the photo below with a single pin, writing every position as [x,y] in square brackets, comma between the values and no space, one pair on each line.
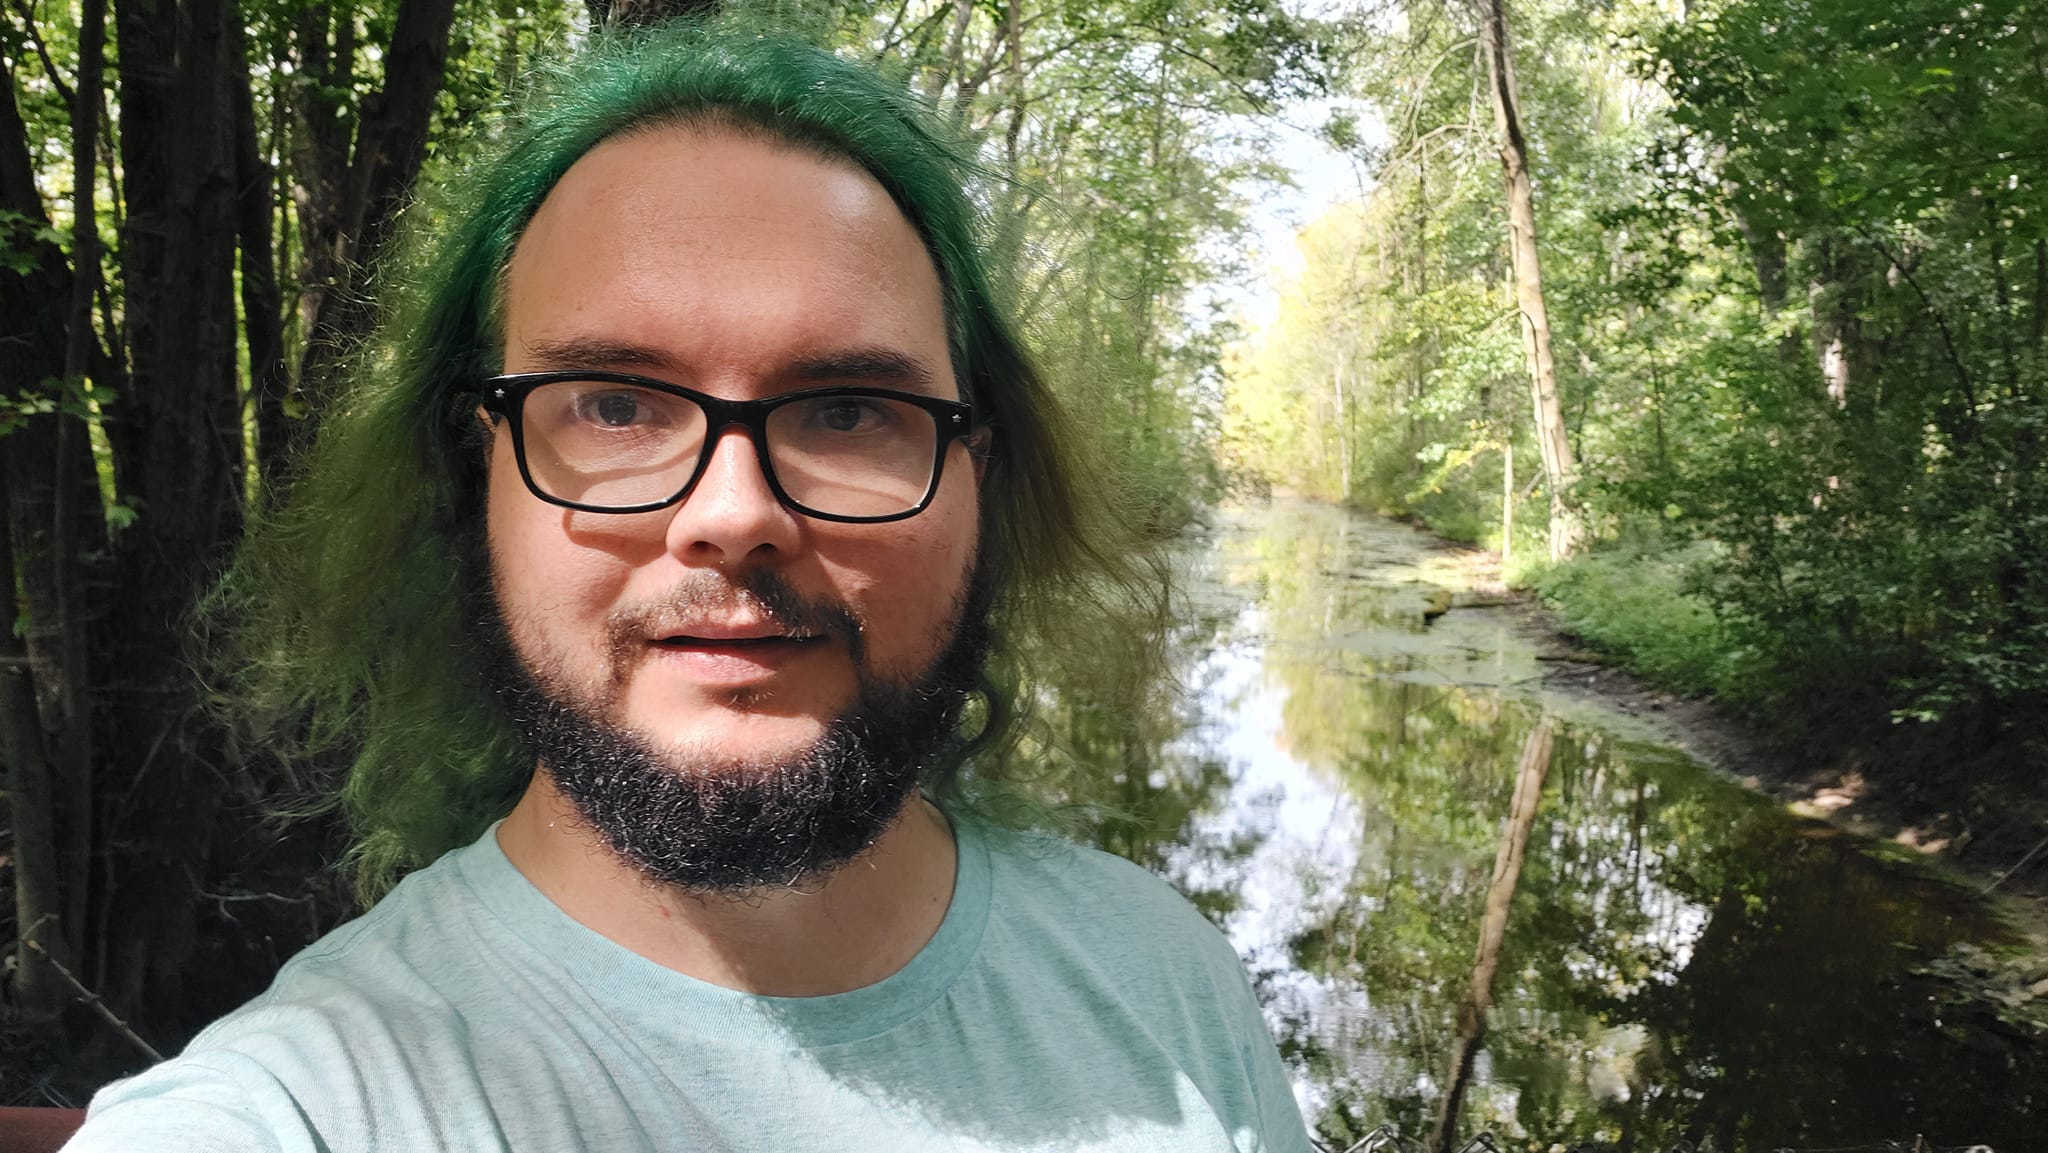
[614,442]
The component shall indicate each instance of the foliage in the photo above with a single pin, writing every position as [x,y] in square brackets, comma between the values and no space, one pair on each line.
[1635,602]
[1797,258]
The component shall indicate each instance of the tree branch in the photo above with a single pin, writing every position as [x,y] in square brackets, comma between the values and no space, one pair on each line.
[1948,339]
[87,995]
[35,39]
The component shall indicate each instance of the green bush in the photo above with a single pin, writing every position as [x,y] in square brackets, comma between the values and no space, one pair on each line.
[1635,602]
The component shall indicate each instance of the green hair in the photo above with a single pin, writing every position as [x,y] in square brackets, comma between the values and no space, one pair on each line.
[345,614]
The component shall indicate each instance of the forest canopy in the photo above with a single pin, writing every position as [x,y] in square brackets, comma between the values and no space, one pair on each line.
[1795,259]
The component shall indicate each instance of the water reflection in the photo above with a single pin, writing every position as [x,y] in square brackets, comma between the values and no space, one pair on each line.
[1630,951]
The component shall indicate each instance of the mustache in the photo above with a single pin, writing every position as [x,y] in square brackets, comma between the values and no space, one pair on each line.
[760,591]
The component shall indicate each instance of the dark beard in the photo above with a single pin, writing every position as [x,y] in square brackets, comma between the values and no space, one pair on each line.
[732,827]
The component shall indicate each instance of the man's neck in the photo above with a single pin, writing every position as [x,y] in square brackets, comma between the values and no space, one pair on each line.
[850,929]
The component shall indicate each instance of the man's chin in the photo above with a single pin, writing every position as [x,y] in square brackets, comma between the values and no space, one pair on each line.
[725,741]
[714,824]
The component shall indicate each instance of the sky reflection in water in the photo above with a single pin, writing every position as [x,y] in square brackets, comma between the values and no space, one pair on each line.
[1681,958]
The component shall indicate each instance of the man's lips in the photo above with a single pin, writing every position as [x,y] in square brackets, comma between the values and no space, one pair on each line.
[731,661]
[693,641]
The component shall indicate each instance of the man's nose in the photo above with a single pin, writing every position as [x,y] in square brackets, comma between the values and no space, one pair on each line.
[732,514]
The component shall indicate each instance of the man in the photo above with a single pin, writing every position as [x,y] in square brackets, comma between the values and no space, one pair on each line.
[671,534]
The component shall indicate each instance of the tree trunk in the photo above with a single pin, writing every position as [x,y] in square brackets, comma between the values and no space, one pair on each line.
[1013,41]
[262,304]
[323,131]
[1500,897]
[50,509]
[39,895]
[1833,313]
[76,518]
[39,992]
[1559,469]
[956,51]
[1767,256]
[390,146]
[178,446]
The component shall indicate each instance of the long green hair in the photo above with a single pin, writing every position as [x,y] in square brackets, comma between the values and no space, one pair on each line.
[346,650]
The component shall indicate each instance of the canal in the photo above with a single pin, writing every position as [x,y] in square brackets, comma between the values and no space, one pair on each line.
[1472,904]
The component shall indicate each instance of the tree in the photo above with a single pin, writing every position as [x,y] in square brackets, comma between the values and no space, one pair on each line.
[1559,469]
[126,457]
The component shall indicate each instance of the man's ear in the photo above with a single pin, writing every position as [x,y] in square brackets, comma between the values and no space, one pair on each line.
[980,443]
[484,433]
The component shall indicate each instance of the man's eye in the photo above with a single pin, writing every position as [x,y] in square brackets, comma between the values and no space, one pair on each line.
[842,416]
[847,414]
[612,409]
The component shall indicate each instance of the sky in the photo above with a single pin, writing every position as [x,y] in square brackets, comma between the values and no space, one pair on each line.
[1323,177]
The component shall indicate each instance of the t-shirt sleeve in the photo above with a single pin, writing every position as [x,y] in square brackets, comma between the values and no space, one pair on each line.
[1280,1126]
[218,1102]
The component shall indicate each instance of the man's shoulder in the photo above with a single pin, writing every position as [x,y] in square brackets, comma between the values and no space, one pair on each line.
[1055,865]
[388,992]
[399,947]
[397,965]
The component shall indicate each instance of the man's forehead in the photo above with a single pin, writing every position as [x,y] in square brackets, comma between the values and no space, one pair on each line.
[685,175]
[662,236]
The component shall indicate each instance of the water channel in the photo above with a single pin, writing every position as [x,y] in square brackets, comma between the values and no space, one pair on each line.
[1361,797]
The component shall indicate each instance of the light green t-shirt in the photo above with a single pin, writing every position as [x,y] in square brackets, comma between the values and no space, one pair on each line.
[1069,1001]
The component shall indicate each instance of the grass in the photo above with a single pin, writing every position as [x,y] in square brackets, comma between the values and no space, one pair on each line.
[1630,601]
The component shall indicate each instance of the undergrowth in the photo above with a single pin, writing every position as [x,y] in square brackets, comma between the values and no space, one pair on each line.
[1634,602]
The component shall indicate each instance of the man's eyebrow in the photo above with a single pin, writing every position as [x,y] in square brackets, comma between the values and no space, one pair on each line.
[864,365]
[584,352]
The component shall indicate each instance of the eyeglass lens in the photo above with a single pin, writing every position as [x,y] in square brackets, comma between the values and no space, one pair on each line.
[609,445]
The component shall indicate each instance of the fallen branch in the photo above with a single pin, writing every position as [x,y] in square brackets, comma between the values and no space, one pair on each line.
[2002,877]
[87,995]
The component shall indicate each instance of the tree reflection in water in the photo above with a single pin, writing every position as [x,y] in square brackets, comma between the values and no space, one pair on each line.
[1683,960]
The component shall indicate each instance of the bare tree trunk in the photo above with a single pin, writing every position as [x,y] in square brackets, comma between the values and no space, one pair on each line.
[1559,469]
[1767,256]
[390,146]
[1507,499]
[323,131]
[262,303]
[1834,320]
[85,230]
[49,507]
[956,50]
[31,795]
[1500,897]
[1013,41]
[76,517]
[178,445]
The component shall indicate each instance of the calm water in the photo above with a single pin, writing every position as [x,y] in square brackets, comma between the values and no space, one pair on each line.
[1681,959]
